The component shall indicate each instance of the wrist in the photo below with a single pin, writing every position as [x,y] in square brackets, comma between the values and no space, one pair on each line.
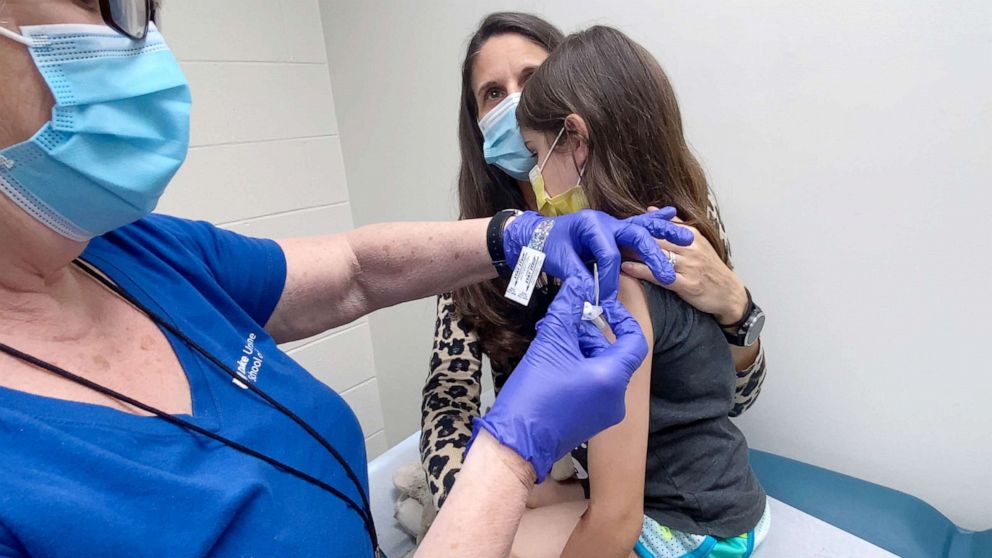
[487,448]
[516,233]
[735,309]
[496,241]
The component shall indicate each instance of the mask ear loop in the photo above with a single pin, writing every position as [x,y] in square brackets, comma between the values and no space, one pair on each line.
[581,171]
[17,37]
[552,150]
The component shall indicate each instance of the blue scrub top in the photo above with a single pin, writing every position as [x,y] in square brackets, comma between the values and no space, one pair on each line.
[78,479]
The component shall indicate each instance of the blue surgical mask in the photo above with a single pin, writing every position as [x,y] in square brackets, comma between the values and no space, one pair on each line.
[118,134]
[504,146]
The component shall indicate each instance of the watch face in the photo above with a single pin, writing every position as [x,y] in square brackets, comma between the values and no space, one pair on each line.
[754,326]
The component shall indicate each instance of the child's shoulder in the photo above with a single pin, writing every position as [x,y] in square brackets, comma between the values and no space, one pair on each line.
[675,321]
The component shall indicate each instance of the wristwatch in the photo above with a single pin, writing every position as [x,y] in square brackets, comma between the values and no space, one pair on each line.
[494,241]
[745,332]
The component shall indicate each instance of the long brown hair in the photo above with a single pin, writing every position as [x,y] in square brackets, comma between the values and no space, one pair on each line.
[505,328]
[638,155]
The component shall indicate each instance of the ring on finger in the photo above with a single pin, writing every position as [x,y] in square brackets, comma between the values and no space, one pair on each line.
[672,259]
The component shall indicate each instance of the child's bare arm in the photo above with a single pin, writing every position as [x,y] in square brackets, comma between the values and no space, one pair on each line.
[612,523]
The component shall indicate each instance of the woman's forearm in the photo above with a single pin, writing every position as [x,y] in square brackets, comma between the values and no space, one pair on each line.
[451,398]
[406,261]
[481,515]
[749,384]
[335,279]
[735,305]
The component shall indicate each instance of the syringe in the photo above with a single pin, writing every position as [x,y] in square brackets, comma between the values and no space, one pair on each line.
[594,312]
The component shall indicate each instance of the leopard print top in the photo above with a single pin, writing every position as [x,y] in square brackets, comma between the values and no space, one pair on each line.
[452,393]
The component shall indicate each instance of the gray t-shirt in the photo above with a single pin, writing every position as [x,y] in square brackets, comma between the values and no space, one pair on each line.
[698,477]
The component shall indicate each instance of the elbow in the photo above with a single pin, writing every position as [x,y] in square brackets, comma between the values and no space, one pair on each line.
[623,525]
[629,529]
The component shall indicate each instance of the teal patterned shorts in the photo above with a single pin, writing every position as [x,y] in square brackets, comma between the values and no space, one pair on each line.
[658,541]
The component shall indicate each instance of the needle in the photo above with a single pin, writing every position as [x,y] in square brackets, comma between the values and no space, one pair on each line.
[595,278]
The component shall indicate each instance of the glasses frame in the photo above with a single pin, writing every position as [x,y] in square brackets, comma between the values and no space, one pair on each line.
[108,17]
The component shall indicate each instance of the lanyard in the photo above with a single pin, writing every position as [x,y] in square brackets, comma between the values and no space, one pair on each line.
[364,511]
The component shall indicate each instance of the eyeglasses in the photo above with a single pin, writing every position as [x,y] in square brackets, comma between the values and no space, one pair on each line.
[128,17]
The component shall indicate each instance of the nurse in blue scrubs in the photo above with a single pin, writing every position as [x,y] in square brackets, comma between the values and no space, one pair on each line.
[145,408]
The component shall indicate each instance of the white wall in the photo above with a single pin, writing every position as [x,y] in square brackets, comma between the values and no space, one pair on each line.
[849,145]
[266,154]
[393,66]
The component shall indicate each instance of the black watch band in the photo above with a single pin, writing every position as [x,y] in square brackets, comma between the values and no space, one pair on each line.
[745,331]
[494,241]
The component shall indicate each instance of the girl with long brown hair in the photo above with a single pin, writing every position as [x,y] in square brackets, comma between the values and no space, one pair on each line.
[673,479]
[501,55]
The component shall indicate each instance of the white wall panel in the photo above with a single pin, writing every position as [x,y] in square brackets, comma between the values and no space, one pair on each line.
[266,158]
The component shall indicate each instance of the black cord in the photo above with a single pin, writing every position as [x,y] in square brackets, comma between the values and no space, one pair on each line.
[217,362]
[364,512]
[367,515]
[177,421]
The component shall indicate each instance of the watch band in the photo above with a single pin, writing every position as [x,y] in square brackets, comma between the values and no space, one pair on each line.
[740,333]
[494,241]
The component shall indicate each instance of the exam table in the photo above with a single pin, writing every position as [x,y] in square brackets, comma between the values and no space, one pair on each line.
[815,513]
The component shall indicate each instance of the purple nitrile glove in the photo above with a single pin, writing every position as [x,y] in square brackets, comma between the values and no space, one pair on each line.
[593,235]
[570,385]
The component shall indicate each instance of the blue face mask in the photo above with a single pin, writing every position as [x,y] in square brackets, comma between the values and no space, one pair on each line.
[118,134]
[504,146]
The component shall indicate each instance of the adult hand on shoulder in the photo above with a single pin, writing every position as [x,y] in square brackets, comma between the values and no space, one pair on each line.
[592,235]
[571,383]
[702,279]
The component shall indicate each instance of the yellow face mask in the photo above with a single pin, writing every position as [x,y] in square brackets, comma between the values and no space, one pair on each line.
[569,201]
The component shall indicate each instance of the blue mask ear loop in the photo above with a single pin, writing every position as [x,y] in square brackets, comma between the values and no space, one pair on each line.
[17,37]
